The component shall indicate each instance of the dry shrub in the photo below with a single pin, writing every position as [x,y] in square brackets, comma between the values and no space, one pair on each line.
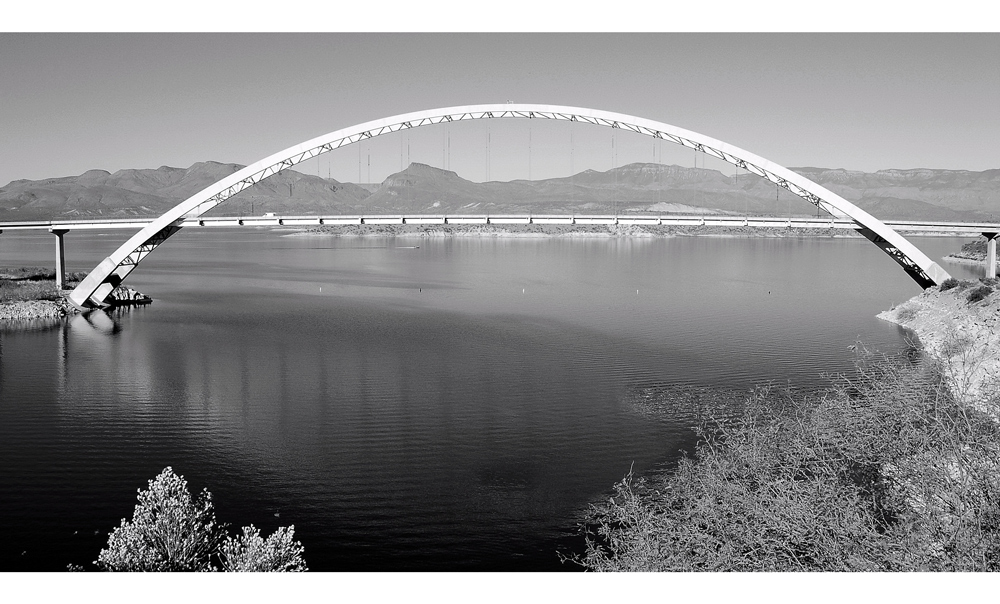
[956,344]
[882,472]
[949,283]
[980,293]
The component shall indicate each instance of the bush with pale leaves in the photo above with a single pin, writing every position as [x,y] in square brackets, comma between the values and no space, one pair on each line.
[171,531]
[251,553]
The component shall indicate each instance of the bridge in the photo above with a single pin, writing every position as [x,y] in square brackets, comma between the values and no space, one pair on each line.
[59,228]
[94,290]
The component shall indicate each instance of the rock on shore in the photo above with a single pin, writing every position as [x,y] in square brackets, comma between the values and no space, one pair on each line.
[961,328]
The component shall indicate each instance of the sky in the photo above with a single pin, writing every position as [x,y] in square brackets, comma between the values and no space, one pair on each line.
[71,102]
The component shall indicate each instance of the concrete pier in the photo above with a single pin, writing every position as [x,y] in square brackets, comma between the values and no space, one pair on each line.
[60,257]
[991,254]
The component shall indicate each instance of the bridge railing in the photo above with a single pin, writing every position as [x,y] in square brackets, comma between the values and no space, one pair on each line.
[500,219]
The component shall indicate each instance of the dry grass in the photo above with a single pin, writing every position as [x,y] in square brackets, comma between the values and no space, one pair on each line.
[27,273]
[906,314]
[32,283]
[17,291]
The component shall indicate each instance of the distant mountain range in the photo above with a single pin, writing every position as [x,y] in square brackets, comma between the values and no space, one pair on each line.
[921,194]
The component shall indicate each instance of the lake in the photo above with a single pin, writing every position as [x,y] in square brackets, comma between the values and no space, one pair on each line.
[408,404]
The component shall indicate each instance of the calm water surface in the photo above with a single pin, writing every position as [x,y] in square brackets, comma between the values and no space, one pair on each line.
[407,404]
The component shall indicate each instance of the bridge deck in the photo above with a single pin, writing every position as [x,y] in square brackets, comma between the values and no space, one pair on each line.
[556,219]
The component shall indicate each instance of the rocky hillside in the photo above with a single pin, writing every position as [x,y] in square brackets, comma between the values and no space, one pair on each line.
[887,194]
[127,193]
[960,191]
[959,323]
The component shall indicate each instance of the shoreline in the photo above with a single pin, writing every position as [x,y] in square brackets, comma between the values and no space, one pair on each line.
[962,333]
[22,313]
[35,310]
[965,260]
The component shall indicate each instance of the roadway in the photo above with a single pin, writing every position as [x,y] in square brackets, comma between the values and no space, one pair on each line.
[909,226]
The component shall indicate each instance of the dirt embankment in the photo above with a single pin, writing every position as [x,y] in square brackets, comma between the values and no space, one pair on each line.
[30,310]
[959,323]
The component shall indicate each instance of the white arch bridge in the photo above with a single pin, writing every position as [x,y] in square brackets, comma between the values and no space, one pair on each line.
[95,289]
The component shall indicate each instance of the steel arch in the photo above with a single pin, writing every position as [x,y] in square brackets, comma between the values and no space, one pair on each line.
[97,286]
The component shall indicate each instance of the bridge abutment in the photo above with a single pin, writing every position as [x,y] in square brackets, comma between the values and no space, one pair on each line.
[60,257]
